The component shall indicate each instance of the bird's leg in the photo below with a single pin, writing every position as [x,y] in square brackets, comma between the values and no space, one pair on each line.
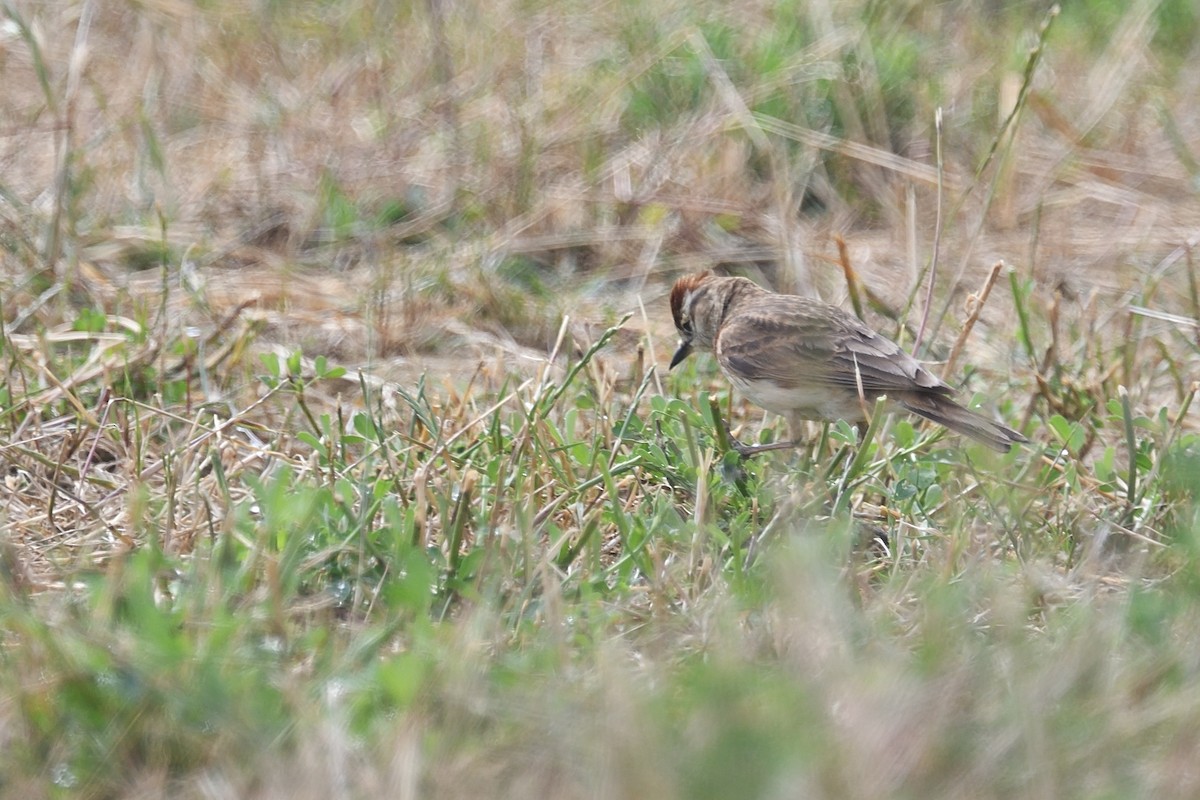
[748,450]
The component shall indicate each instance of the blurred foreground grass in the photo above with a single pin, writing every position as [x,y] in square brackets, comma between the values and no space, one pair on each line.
[339,458]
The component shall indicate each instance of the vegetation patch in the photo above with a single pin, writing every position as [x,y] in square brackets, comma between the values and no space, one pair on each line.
[340,456]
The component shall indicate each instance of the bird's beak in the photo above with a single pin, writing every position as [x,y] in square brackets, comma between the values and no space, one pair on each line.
[685,349]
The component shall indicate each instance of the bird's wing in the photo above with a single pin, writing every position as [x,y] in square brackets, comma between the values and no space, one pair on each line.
[792,341]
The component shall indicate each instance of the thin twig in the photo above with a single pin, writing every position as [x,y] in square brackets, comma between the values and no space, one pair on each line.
[849,273]
[992,277]
[937,234]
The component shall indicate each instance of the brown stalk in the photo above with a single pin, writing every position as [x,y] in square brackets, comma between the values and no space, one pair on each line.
[850,275]
[948,369]
[937,236]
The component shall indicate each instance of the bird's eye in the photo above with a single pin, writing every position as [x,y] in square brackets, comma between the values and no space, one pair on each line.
[685,325]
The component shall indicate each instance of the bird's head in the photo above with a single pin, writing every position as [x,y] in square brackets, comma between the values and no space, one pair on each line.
[696,308]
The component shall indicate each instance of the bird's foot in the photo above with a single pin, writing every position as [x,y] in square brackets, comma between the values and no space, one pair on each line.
[748,450]
[745,450]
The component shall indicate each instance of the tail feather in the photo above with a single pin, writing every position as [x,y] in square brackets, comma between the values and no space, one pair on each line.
[944,411]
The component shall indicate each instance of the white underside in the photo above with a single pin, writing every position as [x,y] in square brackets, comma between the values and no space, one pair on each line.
[811,402]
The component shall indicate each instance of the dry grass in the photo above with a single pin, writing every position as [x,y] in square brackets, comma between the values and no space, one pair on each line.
[336,423]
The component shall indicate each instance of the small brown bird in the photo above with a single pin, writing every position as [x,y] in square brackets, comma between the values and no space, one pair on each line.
[804,359]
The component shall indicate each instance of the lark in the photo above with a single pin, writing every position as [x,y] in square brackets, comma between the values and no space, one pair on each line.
[804,359]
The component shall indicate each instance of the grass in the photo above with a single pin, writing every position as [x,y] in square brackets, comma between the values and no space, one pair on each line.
[340,457]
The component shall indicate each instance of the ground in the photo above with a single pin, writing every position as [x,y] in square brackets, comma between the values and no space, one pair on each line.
[341,456]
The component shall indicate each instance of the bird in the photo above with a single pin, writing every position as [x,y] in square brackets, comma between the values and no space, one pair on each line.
[806,359]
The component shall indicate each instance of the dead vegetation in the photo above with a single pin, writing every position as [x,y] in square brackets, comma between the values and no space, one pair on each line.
[335,414]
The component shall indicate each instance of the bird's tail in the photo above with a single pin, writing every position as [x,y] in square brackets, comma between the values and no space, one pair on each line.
[945,411]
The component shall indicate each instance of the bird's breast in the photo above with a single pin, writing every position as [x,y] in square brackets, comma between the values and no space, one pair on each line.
[807,401]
